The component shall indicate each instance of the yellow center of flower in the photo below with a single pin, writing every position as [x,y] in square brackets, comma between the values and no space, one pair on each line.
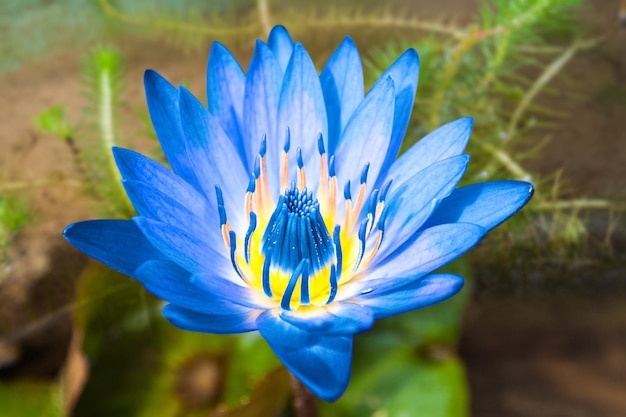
[300,249]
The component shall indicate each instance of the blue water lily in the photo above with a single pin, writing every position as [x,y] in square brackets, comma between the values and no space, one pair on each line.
[286,210]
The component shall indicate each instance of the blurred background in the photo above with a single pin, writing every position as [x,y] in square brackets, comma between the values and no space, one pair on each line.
[540,329]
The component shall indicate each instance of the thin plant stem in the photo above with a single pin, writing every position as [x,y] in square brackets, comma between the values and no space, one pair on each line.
[551,70]
[206,30]
[577,204]
[264,15]
[304,402]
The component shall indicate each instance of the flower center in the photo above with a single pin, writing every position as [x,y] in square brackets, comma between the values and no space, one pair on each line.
[296,232]
[288,252]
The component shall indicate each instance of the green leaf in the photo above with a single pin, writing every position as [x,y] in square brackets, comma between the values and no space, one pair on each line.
[399,383]
[32,399]
[56,122]
[141,365]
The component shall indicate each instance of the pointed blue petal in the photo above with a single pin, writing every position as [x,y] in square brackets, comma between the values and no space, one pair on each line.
[447,141]
[322,363]
[235,292]
[335,319]
[214,158]
[225,82]
[260,106]
[431,249]
[234,320]
[116,243]
[188,249]
[404,72]
[420,293]
[301,109]
[487,204]
[171,283]
[281,45]
[410,205]
[342,83]
[136,167]
[162,100]
[366,137]
[156,205]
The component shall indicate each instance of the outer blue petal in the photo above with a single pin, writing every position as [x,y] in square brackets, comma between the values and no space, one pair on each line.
[237,292]
[366,137]
[487,204]
[432,249]
[446,141]
[188,249]
[411,204]
[336,319]
[404,73]
[171,283]
[156,205]
[260,105]
[281,45]
[418,294]
[301,109]
[214,158]
[116,243]
[162,100]
[235,320]
[136,167]
[321,362]
[342,83]
[225,82]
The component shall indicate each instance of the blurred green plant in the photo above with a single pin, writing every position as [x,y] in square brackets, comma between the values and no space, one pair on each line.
[55,121]
[502,69]
[14,214]
[102,72]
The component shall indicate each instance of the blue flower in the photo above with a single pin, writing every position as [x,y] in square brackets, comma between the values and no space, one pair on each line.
[286,210]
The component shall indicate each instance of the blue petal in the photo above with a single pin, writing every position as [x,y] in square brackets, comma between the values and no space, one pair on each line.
[410,205]
[487,204]
[342,83]
[404,73]
[156,205]
[281,45]
[432,249]
[235,292]
[301,109]
[162,100]
[225,82]
[116,243]
[171,283]
[214,158]
[188,249]
[136,167]
[235,320]
[447,141]
[335,319]
[322,363]
[420,293]
[366,137]
[260,105]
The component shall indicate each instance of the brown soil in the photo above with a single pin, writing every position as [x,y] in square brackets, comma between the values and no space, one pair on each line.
[550,356]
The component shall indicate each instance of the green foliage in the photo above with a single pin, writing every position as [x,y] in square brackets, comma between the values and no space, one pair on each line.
[14,214]
[143,366]
[55,121]
[102,72]
[32,399]
[499,70]
[401,383]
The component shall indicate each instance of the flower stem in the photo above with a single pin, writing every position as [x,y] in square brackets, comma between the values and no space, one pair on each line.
[304,402]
